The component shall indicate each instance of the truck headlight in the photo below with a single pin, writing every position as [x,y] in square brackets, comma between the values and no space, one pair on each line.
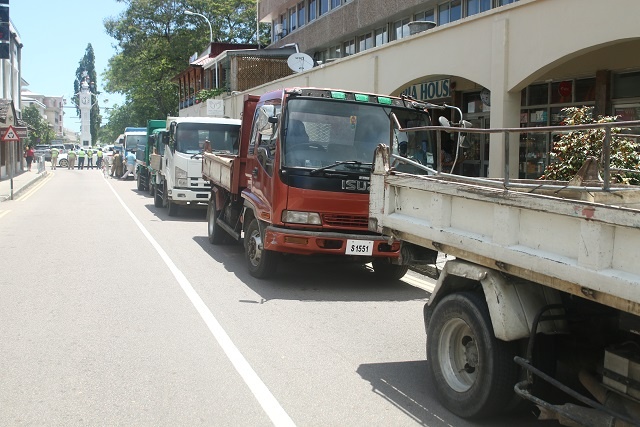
[181,177]
[297,217]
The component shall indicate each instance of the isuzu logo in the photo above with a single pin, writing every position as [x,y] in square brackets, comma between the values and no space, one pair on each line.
[355,185]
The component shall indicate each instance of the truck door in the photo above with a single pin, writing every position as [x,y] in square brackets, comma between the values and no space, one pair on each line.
[262,152]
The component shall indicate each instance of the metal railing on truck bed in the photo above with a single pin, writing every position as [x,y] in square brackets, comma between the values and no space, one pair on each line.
[578,239]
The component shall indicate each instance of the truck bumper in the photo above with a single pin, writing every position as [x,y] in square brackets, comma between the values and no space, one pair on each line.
[183,196]
[305,242]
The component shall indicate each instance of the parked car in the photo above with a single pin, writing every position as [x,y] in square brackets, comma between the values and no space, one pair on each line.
[42,150]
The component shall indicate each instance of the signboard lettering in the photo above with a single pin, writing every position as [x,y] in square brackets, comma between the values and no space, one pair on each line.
[426,91]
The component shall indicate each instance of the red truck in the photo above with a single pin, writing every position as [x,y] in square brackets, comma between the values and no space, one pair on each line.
[297,182]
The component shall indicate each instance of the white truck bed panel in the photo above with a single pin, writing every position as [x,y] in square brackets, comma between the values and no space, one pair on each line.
[585,248]
[217,169]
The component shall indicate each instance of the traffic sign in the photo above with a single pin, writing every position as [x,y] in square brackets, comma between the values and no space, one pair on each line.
[10,135]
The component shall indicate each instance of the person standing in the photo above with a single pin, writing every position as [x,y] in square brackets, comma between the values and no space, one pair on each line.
[29,154]
[99,155]
[116,166]
[89,158]
[131,165]
[81,155]
[71,158]
[54,157]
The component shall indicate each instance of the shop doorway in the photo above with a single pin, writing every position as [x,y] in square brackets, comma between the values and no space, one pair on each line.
[476,152]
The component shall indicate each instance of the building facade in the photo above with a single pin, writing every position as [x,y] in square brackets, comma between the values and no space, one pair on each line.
[505,64]
[50,107]
[10,78]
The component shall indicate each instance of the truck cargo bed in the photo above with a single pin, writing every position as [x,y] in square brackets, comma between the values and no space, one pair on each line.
[585,248]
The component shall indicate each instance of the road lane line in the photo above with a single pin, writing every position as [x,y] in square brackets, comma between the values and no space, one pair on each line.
[3,213]
[36,187]
[269,404]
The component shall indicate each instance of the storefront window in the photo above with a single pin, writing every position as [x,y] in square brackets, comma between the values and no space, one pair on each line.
[538,94]
[561,92]
[585,90]
[626,85]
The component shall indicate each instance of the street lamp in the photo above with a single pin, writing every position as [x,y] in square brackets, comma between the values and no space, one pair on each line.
[188,12]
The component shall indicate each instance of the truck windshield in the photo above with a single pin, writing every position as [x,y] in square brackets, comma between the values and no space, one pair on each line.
[338,135]
[135,142]
[190,137]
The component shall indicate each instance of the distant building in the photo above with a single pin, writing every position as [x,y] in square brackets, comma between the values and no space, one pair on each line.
[51,108]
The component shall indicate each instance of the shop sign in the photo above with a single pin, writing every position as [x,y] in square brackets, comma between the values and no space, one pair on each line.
[427,91]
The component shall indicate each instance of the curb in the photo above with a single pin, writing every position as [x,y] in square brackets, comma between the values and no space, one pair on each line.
[16,192]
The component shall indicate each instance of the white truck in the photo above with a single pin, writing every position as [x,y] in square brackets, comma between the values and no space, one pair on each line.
[180,179]
[540,294]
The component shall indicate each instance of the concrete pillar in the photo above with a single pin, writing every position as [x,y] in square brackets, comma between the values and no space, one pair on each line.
[505,106]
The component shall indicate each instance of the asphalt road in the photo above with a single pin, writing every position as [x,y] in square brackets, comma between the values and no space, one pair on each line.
[114,313]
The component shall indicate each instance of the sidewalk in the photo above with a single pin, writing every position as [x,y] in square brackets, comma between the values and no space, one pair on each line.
[21,182]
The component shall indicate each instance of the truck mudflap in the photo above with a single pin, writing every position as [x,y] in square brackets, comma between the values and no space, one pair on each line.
[305,242]
[595,414]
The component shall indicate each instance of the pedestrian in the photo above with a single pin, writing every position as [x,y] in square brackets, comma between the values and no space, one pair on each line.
[81,155]
[99,155]
[29,154]
[54,157]
[131,165]
[89,158]
[116,165]
[207,146]
[71,158]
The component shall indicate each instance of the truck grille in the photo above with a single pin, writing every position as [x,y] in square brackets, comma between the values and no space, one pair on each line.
[350,221]
[199,183]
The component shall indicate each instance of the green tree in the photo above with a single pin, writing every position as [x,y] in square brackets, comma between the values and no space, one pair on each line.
[40,131]
[155,40]
[86,71]
[573,148]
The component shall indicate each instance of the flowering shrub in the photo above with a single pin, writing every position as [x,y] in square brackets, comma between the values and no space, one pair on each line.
[573,148]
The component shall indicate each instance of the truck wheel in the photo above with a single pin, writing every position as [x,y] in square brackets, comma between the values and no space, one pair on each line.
[157,198]
[473,372]
[261,263]
[384,270]
[139,183]
[214,231]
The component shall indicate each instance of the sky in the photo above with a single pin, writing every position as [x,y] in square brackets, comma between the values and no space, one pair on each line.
[55,35]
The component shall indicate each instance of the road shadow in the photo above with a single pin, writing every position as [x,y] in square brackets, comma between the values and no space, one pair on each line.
[406,386]
[307,279]
[185,213]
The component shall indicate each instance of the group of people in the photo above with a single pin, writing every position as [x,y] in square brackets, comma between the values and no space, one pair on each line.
[80,155]
[118,163]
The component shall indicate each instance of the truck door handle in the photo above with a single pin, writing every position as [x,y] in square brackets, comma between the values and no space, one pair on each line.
[254,172]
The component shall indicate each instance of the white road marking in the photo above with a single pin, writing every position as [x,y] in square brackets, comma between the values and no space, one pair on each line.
[3,213]
[269,404]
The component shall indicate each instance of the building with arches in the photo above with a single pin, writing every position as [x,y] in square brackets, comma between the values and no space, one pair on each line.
[506,64]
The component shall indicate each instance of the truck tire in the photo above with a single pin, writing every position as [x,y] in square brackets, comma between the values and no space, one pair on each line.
[216,234]
[157,198]
[473,372]
[384,270]
[262,264]
[140,182]
[171,207]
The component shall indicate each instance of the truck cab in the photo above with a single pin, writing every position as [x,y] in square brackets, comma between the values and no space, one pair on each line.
[180,182]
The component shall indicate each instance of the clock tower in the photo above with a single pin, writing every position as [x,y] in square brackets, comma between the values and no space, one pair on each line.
[85,114]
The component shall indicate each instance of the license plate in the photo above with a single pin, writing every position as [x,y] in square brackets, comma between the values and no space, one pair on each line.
[359,247]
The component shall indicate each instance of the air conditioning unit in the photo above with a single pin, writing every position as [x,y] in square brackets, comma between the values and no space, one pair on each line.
[278,29]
